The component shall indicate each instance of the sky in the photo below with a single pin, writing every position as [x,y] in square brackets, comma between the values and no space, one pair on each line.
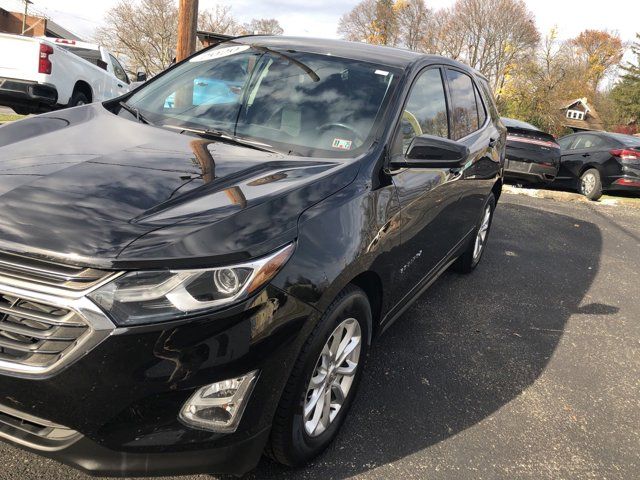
[319,18]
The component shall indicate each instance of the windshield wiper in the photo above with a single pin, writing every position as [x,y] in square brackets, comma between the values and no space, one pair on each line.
[226,137]
[134,111]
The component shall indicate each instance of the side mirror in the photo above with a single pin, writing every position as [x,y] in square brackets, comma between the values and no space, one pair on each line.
[428,151]
[141,77]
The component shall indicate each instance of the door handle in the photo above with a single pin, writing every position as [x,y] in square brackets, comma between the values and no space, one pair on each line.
[120,85]
[586,154]
[492,142]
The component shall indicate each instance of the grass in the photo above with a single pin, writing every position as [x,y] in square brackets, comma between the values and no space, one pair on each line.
[9,117]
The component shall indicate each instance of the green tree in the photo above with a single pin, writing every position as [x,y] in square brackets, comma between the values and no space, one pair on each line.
[626,94]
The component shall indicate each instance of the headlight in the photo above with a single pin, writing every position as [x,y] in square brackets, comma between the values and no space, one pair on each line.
[151,296]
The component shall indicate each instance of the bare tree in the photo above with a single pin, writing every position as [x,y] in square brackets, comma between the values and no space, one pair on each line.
[264,26]
[358,25]
[489,35]
[220,20]
[415,25]
[143,33]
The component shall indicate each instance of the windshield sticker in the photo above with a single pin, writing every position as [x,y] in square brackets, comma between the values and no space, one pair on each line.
[384,73]
[341,144]
[219,53]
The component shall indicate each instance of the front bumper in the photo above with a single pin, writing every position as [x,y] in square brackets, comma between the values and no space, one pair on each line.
[87,455]
[123,397]
[23,93]
[529,172]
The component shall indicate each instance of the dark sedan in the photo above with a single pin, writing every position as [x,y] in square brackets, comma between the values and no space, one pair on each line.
[594,162]
[533,156]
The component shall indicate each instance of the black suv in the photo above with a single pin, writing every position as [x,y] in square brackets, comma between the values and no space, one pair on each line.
[596,162]
[192,274]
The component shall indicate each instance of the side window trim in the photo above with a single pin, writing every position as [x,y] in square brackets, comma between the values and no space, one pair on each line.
[480,104]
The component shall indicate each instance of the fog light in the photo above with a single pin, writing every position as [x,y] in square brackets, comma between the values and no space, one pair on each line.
[218,407]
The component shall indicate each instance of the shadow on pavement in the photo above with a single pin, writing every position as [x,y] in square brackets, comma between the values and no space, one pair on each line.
[468,346]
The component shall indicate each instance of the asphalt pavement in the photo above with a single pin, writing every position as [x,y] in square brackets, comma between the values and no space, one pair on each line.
[528,368]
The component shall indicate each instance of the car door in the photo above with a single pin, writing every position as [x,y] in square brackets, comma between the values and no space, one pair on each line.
[476,127]
[586,150]
[428,196]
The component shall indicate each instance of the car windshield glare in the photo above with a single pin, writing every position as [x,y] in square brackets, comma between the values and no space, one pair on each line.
[311,104]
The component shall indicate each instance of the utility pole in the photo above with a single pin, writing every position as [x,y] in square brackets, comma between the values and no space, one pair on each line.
[24,17]
[187,25]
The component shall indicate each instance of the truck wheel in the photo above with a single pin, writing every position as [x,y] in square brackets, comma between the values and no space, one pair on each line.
[590,184]
[323,381]
[78,98]
[470,258]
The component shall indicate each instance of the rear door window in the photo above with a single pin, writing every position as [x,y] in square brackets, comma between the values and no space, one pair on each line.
[464,109]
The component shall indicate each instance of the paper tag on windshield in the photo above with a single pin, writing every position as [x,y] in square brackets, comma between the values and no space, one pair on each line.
[341,144]
[219,53]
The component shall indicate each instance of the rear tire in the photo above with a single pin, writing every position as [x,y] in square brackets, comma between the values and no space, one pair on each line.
[297,438]
[78,98]
[590,184]
[470,258]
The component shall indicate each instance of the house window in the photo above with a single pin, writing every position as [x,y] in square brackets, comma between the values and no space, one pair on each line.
[575,114]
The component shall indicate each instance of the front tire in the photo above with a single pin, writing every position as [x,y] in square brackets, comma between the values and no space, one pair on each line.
[591,184]
[470,258]
[323,381]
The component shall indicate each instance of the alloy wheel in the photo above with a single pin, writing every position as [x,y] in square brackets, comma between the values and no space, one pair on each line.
[332,377]
[483,231]
[588,183]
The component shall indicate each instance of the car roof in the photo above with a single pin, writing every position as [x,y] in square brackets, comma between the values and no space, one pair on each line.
[391,56]
[619,137]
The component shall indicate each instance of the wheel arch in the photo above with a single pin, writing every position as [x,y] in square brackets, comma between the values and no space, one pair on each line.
[84,87]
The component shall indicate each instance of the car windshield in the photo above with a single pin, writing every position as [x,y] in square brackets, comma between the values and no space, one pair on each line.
[303,103]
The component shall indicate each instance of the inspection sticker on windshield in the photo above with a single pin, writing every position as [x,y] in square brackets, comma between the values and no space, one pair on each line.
[341,144]
[219,53]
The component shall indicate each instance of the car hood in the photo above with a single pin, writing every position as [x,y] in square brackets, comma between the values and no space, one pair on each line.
[88,187]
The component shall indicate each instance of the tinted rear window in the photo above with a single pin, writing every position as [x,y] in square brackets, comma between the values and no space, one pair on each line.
[463,104]
[513,123]
[626,139]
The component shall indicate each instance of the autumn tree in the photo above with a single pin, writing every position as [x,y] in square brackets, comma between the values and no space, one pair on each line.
[264,26]
[536,87]
[600,51]
[142,33]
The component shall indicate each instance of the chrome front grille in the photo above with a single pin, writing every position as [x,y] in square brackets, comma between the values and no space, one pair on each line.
[37,334]
[46,320]
[44,272]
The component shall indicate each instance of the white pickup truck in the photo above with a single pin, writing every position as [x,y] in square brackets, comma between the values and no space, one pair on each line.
[41,74]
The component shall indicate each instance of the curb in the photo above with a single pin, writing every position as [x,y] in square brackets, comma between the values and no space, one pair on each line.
[571,197]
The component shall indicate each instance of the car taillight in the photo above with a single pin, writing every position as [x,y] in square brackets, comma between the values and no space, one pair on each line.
[44,65]
[627,156]
[532,141]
